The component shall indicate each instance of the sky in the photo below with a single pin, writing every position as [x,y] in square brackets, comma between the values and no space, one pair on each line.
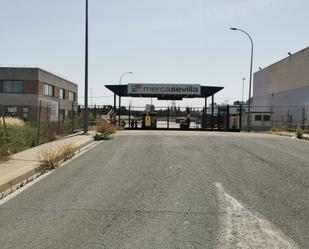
[161,41]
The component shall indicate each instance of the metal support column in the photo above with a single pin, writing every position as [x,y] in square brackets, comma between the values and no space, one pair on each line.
[168,118]
[129,116]
[115,102]
[227,117]
[95,111]
[205,114]
[218,118]
[240,117]
[119,112]
[212,112]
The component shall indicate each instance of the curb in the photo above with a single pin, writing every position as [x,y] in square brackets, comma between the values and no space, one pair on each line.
[21,180]
[286,135]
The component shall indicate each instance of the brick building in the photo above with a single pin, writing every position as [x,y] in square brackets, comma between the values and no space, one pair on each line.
[24,90]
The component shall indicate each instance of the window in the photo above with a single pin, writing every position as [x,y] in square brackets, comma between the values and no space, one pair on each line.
[71,96]
[266,117]
[25,113]
[61,93]
[12,86]
[12,111]
[258,117]
[48,90]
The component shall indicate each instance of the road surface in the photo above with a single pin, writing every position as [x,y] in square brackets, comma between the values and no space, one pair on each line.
[165,190]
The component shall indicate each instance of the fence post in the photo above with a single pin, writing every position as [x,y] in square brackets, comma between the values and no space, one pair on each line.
[168,117]
[212,112]
[3,121]
[72,116]
[39,124]
[240,116]
[129,116]
[218,118]
[203,118]
[303,118]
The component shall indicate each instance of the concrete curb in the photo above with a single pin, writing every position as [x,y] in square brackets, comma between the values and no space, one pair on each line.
[21,180]
[287,135]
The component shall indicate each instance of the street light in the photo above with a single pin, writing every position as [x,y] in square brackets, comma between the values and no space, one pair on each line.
[120,96]
[250,81]
[86,74]
[243,86]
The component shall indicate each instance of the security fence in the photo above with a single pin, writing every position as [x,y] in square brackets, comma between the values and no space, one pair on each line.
[52,121]
[280,117]
[45,121]
[220,118]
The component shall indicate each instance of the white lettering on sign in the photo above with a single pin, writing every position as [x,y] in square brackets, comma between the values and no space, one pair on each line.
[164,89]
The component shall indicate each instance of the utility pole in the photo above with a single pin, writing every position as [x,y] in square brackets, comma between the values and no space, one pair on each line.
[86,74]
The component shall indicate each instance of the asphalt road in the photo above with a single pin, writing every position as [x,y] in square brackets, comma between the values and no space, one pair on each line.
[165,190]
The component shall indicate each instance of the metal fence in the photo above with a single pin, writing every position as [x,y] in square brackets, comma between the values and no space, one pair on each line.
[48,121]
[52,121]
[216,118]
[281,117]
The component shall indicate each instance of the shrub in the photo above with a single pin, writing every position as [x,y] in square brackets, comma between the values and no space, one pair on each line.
[9,121]
[299,133]
[19,138]
[274,129]
[106,128]
[50,131]
[4,153]
[68,151]
[50,158]
[102,136]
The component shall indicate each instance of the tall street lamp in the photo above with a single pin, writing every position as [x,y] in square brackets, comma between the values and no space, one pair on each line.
[243,87]
[120,96]
[250,81]
[86,74]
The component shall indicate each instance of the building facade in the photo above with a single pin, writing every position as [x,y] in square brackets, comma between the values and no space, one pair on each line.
[283,90]
[30,93]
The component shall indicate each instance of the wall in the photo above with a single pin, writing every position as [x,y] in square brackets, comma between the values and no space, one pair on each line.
[284,88]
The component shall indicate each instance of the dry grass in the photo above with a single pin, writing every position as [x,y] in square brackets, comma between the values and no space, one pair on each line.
[105,127]
[12,122]
[50,158]
[4,153]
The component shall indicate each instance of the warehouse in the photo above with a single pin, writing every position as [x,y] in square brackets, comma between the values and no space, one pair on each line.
[282,89]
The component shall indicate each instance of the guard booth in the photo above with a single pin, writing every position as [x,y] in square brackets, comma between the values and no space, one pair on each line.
[149,120]
[205,118]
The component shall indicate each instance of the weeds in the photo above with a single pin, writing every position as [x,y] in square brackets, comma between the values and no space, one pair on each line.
[50,158]
[102,136]
[4,153]
[299,132]
[9,121]
[105,127]
[20,136]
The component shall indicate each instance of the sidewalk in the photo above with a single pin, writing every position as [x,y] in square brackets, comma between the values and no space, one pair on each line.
[289,134]
[24,166]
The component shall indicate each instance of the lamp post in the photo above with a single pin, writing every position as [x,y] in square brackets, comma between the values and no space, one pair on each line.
[86,74]
[250,81]
[120,96]
[243,87]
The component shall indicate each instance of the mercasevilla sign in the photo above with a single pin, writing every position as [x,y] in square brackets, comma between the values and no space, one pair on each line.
[164,89]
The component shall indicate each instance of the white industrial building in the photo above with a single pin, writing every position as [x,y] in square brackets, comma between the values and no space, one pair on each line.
[282,89]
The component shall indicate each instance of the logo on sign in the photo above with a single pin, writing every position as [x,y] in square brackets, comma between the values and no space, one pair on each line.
[136,88]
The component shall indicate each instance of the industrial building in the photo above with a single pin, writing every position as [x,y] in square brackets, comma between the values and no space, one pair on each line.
[30,93]
[282,89]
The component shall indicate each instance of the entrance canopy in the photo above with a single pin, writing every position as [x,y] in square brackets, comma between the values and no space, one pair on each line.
[164,91]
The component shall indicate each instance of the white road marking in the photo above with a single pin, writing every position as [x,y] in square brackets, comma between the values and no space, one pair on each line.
[241,229]
[41,177]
